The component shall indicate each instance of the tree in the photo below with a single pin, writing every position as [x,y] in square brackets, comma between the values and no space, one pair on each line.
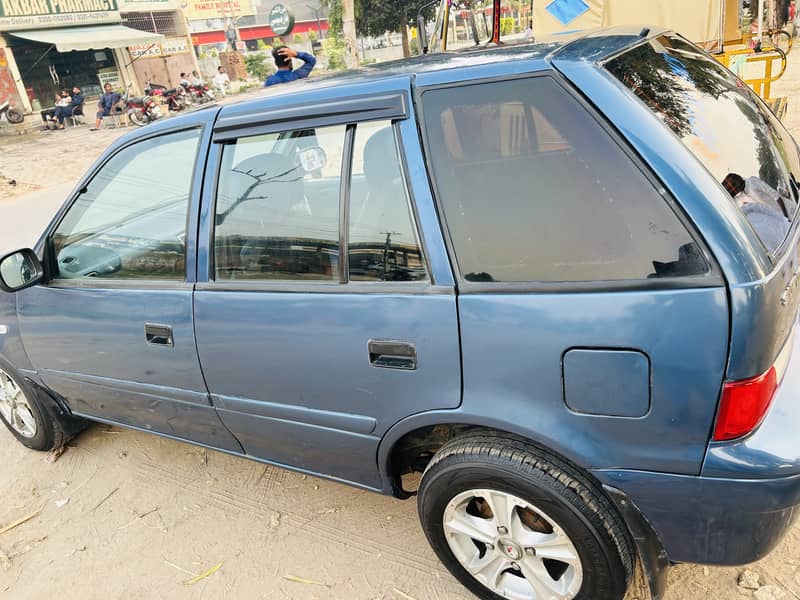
[380,16]
[376,17]
[256,65]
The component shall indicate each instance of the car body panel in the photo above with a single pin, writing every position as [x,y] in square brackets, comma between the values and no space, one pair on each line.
[12,350]
[300,369]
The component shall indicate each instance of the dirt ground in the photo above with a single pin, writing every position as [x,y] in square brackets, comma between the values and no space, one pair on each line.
[123,514]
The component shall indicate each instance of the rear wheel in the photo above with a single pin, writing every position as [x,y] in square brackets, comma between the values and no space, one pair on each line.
[513,522]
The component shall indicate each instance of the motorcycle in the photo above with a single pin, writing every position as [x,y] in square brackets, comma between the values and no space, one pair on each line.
[174,98]
[200,93]
[11,114]
[142,111]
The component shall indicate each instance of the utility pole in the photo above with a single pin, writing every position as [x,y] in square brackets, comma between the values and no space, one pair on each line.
[349,30]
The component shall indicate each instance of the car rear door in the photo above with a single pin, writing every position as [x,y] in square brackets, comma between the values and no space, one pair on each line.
[112,330]
[310,351]
[593,317]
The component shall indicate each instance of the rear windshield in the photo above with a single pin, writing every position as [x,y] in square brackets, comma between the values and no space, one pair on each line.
[724,124]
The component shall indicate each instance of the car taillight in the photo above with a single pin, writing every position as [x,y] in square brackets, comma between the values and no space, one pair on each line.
[744,403]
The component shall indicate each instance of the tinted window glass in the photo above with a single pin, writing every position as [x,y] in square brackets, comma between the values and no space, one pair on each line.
[277,210]
[535,190]
[383,243]
[723,123]
[131,220]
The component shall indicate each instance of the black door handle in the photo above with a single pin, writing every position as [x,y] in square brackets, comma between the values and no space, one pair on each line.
[158,335]
[392,354]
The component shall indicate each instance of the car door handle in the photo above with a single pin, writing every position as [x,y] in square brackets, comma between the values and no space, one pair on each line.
[158,335]
[393,355]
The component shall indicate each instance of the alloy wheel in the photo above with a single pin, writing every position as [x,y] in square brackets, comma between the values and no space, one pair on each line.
[15,407]
[512,547]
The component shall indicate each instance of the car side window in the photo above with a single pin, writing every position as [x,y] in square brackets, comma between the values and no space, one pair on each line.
[130,220]
[277,206]
[383,242]
[534,189]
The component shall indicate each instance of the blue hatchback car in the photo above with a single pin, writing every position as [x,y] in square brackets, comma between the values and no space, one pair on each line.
[549,289]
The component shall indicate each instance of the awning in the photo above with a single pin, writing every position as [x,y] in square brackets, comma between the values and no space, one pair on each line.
[95,37]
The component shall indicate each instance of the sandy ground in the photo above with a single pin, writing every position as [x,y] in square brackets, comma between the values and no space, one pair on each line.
[123,514]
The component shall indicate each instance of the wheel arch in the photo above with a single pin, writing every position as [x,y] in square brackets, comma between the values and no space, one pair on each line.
[425,433]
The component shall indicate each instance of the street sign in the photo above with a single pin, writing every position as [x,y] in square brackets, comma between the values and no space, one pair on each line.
[281,20]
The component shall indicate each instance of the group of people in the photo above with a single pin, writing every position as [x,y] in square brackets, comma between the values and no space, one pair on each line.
[66,105]
[70,104]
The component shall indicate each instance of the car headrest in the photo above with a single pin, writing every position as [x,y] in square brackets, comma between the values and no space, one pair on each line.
[380,158]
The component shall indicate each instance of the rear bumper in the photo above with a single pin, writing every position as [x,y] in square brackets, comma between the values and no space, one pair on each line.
[746,498]
[712,520]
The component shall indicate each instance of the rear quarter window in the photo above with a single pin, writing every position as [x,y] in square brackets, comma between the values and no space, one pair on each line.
[723,123]
[534,189]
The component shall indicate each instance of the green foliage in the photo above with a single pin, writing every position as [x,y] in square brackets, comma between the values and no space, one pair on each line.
[256,65]
[334,16]
[298,38]
[312,35]
[506,25]
[334,48]
[413,46]
[379,16]
[262,45]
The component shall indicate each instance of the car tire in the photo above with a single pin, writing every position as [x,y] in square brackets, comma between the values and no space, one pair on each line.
[558,535]
[34,424]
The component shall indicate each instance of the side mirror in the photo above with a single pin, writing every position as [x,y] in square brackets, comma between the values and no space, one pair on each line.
[19,270]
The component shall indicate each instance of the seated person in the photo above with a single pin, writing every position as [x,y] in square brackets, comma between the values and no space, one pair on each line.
[75,106]
[61,100]
[755,199]
[106,104]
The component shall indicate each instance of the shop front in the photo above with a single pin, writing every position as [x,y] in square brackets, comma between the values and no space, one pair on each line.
[161,62]
[49,45]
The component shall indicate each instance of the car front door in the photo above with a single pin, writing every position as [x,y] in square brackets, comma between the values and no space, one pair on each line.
[111,331]
[322,322]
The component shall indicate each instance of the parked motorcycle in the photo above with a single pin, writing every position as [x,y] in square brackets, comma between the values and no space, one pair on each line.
[143,110]
[11,114]
[201,93]
[174,98]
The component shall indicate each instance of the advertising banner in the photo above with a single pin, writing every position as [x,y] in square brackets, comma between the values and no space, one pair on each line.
[218,9]
[37,14]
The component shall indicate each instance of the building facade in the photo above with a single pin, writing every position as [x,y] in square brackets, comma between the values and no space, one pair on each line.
[218,22]
[161,62]
[49,45]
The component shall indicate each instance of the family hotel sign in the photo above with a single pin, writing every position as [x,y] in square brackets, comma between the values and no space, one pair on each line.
[34,14]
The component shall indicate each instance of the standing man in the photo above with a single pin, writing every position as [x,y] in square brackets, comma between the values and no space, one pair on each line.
[63,112]
[105,104]
[283,56]
[221,81]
